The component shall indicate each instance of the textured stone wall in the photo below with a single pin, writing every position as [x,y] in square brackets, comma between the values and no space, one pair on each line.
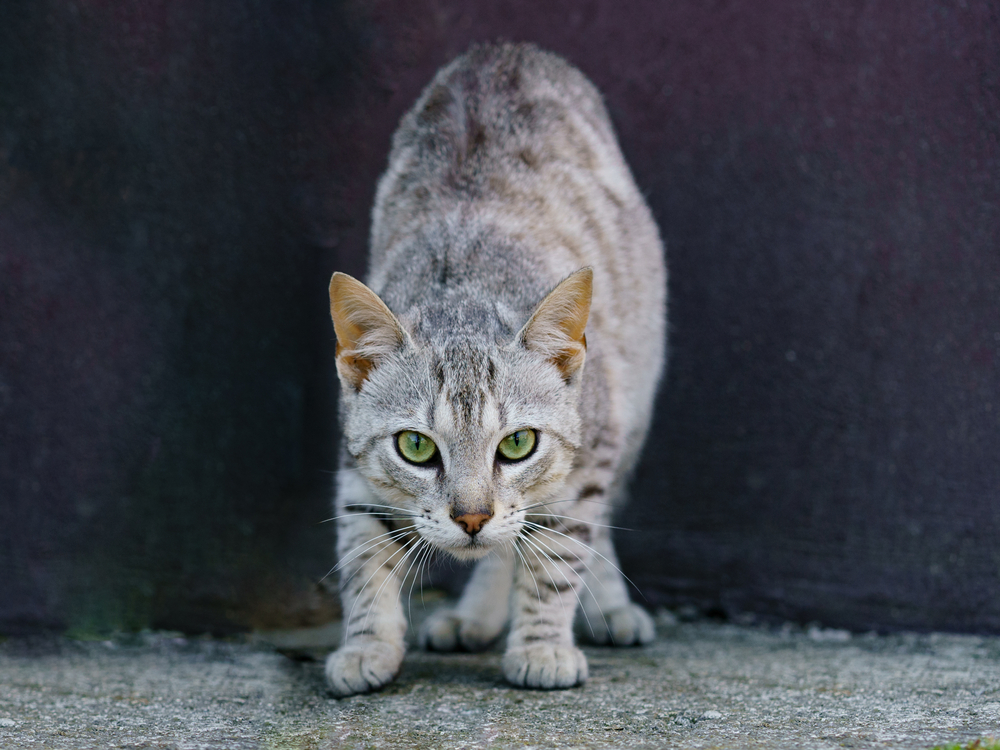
[177,182]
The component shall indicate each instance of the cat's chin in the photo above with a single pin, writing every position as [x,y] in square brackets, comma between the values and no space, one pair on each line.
[474,550]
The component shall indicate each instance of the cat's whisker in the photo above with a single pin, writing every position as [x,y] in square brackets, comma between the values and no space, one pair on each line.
[496,553]
[576,593]
[551,553]
[425,555]
[346,561]
[380,566]
[582,561]
[365,546]
[366,505]
[412,546]
[586,546]
[381,544]
[534,526]
[527,567]
[548,573]
[409,594]
[583,580]
[390,532]
[538,593]
[417,567]
[421,542]
[416,545]
[540,528]
[589,523]
[385,544]
[538,543]
[428,559]
[503,561]
[546,503]
[379,516]
[357,597]
[393,508]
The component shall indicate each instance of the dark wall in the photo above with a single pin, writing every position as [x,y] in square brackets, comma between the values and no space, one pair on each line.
[165,411]
[177,183]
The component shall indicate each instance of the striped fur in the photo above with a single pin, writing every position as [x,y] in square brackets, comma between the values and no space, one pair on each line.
[504,180]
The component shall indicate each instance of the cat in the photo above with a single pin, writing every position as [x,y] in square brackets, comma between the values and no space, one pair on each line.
[497,373]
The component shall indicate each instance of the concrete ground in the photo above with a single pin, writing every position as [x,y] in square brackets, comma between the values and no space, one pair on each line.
[700,685]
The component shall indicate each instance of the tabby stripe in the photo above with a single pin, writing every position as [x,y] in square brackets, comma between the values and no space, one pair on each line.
[557,587]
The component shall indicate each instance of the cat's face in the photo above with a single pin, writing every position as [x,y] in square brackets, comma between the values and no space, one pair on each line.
[462,436]
[464,441]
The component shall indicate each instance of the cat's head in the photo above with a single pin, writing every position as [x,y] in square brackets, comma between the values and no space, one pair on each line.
[462,434]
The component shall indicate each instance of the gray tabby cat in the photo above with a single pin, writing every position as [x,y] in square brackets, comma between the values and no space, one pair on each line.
[506,226]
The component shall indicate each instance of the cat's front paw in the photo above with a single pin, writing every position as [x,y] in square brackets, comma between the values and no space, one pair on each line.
[542,665]
[630,625]
[362,667]
[446,631]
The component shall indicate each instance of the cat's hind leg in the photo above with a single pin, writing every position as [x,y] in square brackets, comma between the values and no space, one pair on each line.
[608,616]
[480,615]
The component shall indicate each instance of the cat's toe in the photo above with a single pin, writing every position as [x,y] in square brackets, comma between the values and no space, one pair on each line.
[542,665]
[446,631]
[630,625]
[361,668]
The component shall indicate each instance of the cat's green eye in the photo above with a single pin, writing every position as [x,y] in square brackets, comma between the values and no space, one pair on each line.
[415,448]
[517,445]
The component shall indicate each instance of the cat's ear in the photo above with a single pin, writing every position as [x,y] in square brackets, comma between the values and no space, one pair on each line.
[366,329]
[556,327]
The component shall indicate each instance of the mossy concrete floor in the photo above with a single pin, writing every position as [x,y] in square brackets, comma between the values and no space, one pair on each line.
[700,685]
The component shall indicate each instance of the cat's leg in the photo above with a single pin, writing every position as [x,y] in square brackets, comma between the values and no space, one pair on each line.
[609,617]
[371,558]
[481,613]
[547,578]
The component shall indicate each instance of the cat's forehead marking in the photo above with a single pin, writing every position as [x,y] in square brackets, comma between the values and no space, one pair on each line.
[466,380]
[442,415]
[471,319]
[466,377]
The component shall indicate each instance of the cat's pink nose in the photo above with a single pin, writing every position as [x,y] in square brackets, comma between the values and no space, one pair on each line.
[472,522]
